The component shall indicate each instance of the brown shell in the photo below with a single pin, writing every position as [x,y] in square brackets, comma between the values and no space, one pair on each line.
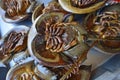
[82,3]
[78,8]
[23,71]
[83,73]
[37,11]
[52,6]
[15,10]
[109,41]
[14,41]
[52,54]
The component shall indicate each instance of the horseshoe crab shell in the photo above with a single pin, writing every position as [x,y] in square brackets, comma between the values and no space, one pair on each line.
[83,73]
[52,6]
[14,41]
[23,71]
[37,11]
[20,57]
[67,5]
[39,47]
[17,10]
[29,70]
[109,44]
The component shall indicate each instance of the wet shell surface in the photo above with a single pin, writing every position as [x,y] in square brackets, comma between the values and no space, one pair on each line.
[53,42]
[81,6]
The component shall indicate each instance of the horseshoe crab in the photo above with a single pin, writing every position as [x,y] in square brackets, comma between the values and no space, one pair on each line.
[13,42]
[17,10]
[105,23]
[53,42]
[22,72]
[32,71]
[84,72]
[81,6]
[52,6]
[37,11]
